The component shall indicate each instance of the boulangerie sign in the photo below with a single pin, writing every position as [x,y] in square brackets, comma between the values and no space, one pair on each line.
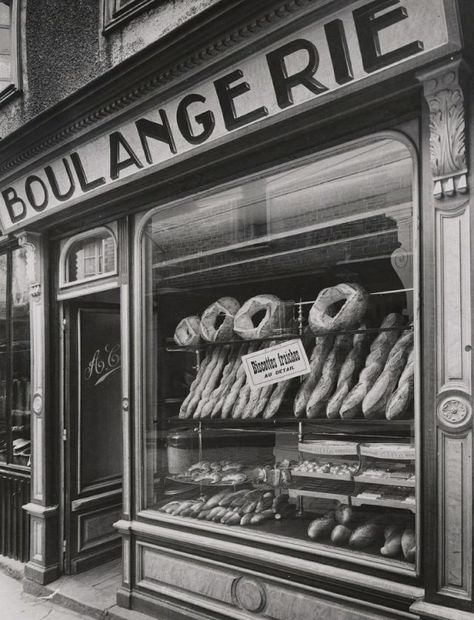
[278,363]
[339,50]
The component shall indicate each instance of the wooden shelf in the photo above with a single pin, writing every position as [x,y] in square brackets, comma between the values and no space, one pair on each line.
[324,489]
[385,481]
[387,503]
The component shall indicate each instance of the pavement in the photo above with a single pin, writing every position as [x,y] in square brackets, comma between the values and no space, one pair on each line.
[89,595]
[17,605]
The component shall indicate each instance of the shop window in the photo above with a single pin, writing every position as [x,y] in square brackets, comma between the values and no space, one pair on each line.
[89,256]
[314,258]
[15,397]
[9,69]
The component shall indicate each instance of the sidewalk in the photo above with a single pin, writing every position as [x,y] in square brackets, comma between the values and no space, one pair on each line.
[88,595]
[16,604]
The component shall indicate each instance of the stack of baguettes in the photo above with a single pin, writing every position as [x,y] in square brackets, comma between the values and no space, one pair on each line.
[221,388]
[350,379]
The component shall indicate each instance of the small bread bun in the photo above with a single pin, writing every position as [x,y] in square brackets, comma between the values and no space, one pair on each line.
[186,333]
[244,325]
[322,320]
[223,309]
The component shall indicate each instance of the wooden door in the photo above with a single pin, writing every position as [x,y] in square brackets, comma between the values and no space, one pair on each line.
[92,434]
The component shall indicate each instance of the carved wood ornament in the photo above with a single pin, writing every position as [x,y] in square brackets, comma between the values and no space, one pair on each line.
[444,95]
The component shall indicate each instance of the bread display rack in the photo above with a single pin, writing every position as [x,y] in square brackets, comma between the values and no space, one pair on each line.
[392,488]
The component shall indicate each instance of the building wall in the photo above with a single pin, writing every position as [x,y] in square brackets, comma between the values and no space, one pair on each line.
[64,46]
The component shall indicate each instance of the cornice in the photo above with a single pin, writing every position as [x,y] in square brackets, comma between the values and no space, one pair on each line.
[37,132]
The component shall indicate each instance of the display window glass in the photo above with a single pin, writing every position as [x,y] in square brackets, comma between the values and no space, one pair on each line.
[15,396]
[278,367]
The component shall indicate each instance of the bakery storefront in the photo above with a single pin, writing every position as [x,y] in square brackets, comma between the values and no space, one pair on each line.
[257,370]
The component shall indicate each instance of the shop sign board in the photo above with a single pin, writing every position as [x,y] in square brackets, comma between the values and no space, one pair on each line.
[274,364]
[341,50]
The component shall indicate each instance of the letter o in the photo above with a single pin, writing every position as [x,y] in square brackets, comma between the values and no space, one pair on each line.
[31,196]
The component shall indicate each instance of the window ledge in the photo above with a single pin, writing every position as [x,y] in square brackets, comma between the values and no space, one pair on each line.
[9,92]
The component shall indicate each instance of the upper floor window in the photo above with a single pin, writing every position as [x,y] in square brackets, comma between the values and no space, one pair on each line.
[9,69]
[117,11]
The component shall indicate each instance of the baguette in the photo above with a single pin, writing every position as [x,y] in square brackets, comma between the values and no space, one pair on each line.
[256,396]
[229,382]
[236,386]
[320,352]
[276,399]
[193,403]
[398,405]
[374,364]
[212,380]
[376,400]
[208,407]
[241,401]
[318,400]
[195,383]
[348,375]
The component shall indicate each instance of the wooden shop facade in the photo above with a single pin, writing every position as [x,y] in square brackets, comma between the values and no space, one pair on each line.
[294,439]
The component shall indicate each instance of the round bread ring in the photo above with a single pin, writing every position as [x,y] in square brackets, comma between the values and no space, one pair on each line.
[186,333]
[350,314]
[226,306]
[243,324]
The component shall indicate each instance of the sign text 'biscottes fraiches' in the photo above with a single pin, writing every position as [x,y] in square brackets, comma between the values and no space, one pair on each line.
[345,48]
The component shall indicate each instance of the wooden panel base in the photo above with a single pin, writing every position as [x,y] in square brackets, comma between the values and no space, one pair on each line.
[172,584]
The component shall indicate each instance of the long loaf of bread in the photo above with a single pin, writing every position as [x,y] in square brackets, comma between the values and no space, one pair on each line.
[376,400]
[239,382]
[276,399]
[213,379]
[399,403]
[218,400]
[318,400]
[374,364]
[183,412]
[208,406]
[256,407]
[321,350]
[349,373]
[193,403]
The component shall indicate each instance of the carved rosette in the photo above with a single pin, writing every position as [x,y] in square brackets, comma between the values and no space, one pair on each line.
[454,412]
[445,98]
[249,594]
[30,241]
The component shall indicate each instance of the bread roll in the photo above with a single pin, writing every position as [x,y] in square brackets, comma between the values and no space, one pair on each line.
[217,320]
[366,536]
[272,320]
[374,364]
[376,400]
[322,527]
[323,319]
[241,402]
[186,333]
[320,352]
[348,375]
[341,534]
[393,543]
[318,400]
[409,544]
[400,401]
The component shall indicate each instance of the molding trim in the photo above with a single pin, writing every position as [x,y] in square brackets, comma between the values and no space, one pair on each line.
[443,91]
[159,78]
[31,241]
[42,512]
